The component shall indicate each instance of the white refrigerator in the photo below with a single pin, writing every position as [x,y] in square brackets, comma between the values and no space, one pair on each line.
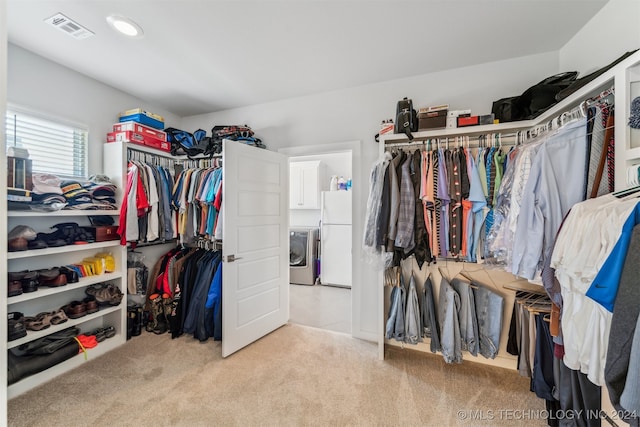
[335,238]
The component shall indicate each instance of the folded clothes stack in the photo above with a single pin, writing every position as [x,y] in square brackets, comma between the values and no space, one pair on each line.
[102,191]
[51,193]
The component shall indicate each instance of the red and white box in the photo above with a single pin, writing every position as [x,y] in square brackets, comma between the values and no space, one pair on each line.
[141,129]
[140,139]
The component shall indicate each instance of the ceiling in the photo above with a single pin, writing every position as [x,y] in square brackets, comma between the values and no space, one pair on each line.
[201,56]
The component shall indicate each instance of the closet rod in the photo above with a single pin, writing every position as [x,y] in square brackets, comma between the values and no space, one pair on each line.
[170,157]
[526,134]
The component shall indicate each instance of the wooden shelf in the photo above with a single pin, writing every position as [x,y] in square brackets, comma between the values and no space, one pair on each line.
[62,249]
[83,282]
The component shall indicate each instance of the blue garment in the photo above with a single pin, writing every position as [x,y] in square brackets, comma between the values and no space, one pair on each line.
[430,326]
[479,202]
[467,318]
[449,306]
[213,306]
[393,312]
[604,287]
[489,307]
[413,334]
[555,184]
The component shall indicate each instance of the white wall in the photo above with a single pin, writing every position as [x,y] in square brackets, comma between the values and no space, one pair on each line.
[3,207]
[355,114]
[607,36]
[49,88]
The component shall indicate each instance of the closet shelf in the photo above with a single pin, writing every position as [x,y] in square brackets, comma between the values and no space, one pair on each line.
[83,282]
[62,249]
[593,88]
[526,287]
[41,377]
[63,213]
[632,154]
[34,335]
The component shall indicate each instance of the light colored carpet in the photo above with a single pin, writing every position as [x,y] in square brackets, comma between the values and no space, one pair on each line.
[296,375]
[324,307]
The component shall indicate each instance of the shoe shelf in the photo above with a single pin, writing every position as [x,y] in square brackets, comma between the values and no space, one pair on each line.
[62,249]
[83,282]
[34,335]
[63,213]
[35,380]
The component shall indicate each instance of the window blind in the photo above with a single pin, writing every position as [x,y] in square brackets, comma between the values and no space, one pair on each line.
[54,148]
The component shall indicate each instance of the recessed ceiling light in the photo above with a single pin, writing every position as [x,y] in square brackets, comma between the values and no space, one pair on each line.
[125,26]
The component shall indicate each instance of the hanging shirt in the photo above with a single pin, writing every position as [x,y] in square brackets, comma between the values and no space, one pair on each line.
[555,184]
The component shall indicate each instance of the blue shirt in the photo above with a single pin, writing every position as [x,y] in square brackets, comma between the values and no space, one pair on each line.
[555,184]
[604,287]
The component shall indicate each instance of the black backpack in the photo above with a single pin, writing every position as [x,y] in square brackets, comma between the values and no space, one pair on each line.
[406,118]
[189,144]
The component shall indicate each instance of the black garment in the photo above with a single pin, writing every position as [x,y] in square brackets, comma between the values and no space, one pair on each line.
[186,286]
[542,382]
[195,318]
[623,322]
[421,251]
[512,343]
[578,396]
[385,210]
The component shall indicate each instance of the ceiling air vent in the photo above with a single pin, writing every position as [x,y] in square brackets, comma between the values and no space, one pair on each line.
[69,26]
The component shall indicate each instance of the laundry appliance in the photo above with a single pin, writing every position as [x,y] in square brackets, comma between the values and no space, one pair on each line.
[303,252]
[335,238]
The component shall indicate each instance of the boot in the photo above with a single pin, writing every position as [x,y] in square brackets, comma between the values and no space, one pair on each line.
[159,319]
[156,308]
[167,307]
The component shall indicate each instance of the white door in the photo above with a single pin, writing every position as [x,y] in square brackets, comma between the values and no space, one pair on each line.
[255,273]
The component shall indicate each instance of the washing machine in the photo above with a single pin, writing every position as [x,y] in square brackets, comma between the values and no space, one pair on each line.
[303,253]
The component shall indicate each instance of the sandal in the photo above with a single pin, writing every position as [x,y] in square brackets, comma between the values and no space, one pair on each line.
[37,323]
[105,294]
[57,317]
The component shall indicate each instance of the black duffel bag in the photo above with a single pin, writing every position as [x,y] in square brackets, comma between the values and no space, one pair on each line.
[533,101]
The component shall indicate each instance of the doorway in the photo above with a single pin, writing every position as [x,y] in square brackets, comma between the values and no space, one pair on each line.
[317,212]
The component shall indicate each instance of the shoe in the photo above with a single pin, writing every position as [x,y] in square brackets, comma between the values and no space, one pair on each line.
[134,321]
[75,309]
[14,284]
[105,294]
[91,304]
[18,244]
[16,325]
[158,324]
[37,244]
[57,317]
[37,323]
[52,278]
[72,275]
[30,281]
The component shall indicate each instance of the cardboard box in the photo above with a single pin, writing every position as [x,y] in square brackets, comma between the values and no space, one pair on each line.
[103,233]
[387,128]
[19,173]
[453,115]
[432,120]
[486,119]
[140,128]
[135,111]
[140,139]
[467,121]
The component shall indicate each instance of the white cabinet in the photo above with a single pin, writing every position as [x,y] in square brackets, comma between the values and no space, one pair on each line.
[48,299]
[304,184]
